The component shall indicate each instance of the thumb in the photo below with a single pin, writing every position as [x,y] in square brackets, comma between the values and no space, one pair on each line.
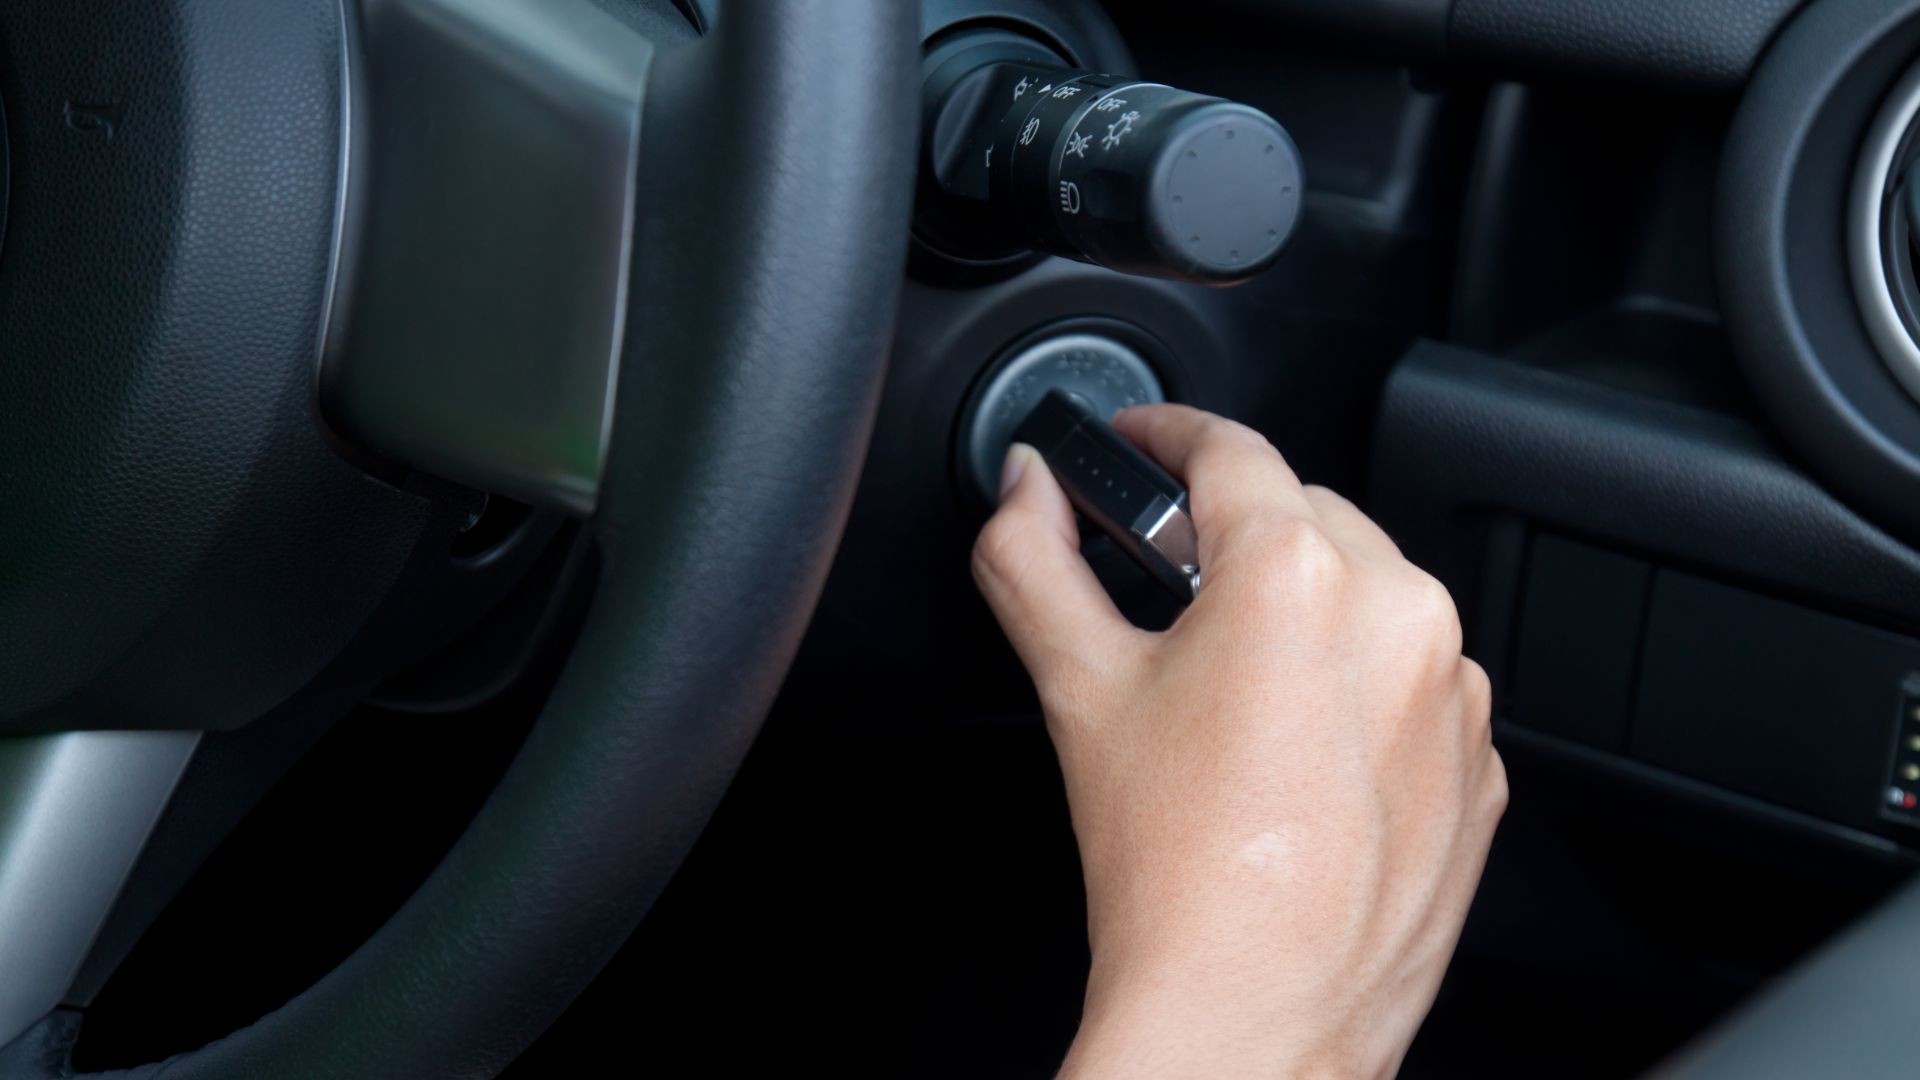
[1028,566]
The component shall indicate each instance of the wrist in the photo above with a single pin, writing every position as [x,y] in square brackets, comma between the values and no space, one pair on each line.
[1173,1024]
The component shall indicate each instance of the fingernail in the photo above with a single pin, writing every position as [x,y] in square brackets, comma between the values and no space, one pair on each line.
[1015,467]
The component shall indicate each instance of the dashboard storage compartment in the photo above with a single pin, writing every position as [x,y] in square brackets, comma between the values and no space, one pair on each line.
[1580,622]
[1769,699]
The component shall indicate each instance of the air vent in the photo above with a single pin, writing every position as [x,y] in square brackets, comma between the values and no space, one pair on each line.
[1819,279]
[1883,231]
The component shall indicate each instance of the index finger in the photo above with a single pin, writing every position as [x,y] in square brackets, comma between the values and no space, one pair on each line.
[1236,481]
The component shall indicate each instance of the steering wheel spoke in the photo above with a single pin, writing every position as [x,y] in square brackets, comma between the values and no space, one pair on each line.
[479,313]
[75,811]
[530,193]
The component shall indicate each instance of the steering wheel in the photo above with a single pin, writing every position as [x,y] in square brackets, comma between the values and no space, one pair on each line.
[169,391]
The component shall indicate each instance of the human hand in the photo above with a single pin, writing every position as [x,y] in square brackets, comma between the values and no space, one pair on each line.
[1284,801]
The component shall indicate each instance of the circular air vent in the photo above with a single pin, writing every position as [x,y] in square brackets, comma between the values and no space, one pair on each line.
[1883,232]
[1819,274]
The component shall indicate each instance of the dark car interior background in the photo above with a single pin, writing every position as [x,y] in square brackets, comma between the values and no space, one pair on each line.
[1581,304]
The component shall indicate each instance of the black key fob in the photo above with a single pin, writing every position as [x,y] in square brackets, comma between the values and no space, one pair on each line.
[1119,489]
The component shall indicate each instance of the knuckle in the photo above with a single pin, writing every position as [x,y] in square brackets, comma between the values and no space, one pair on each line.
[1430,607]
[1325,497]
[1479,692]
[1430,599]
[1234,435]
[1298,559]
[1498,793]
[1304,543]
[1225,441]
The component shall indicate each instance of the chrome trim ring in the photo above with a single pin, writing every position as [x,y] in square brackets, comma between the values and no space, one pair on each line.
[1866,257]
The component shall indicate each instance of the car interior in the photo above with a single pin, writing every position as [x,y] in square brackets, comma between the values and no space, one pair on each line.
[486,492]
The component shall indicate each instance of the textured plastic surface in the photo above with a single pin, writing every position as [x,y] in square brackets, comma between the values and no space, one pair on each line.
[1463,436]
[1578,650]
[1769,699]
[1460,433]
[179,546]
[1700,45]
[1401,29]
[1687,46]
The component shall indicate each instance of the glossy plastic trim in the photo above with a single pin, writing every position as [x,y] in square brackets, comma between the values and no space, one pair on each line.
[75,811]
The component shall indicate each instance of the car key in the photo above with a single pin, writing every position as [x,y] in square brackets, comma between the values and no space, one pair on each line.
[1121,490]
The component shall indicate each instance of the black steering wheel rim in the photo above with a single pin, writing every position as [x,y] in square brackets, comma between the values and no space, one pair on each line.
[772,235]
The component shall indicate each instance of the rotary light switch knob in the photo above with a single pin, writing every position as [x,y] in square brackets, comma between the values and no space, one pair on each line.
[1136,176]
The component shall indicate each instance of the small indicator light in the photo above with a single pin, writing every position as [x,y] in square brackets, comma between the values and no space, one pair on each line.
[1913,742]
[1895,796]
[1910,772]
